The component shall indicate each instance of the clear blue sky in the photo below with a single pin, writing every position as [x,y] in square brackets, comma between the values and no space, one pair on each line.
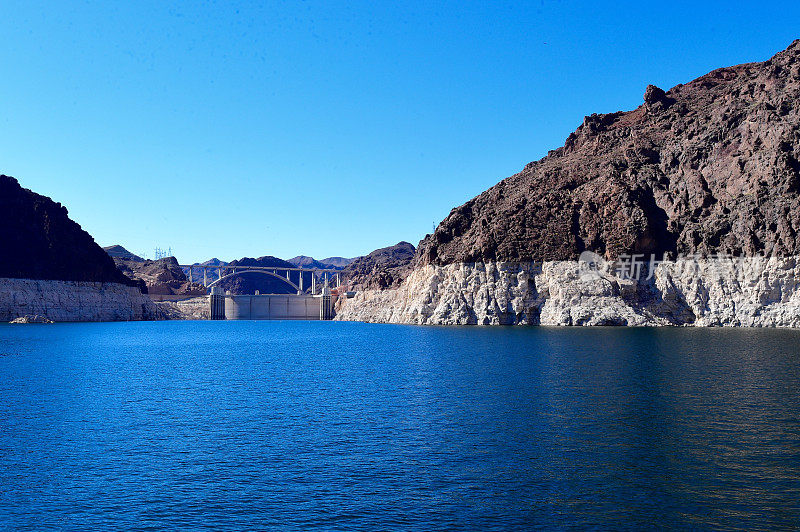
[325,128]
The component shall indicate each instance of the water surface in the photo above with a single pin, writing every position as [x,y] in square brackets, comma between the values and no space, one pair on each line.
[350,426]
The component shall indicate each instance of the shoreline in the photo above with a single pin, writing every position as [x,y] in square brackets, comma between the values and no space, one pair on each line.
[755,292]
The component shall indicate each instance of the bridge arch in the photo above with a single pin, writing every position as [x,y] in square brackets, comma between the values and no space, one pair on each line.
[275,275]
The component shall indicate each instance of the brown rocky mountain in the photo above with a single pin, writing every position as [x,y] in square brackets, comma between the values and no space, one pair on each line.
[711,166]
[383,268]
[162,276]
[118,252]
[39,241]
[304,261]
[336,262]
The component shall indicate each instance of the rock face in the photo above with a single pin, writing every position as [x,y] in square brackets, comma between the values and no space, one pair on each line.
[39,241]
[383,268]
[710,166]
[31,319]
[196,308]
[74,301]
[709,169]
[750,292]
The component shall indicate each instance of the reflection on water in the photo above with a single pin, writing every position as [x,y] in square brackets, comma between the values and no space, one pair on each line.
[298,425]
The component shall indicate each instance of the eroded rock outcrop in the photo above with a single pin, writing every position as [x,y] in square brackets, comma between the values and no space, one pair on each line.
[194,308]
[160,277]
[748,292]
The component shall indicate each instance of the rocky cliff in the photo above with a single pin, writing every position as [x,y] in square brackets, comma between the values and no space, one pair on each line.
[74,301]
[709,168]
[51,267]
[39,241]
[752,292]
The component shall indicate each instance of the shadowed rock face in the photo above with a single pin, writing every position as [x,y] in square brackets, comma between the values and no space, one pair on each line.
[39,241]
[383,268]
[707,167]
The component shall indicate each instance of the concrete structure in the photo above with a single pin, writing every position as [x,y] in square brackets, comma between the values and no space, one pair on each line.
[217,303]
[305,305]
[225,272]
[273,307]
[326,303]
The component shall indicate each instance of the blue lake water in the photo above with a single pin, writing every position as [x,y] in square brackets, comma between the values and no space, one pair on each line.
[350,426]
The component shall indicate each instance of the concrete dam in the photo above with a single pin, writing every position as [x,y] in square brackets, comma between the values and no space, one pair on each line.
[271,307]
[314,303]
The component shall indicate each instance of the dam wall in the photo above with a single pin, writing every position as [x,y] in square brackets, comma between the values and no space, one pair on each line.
[272,307]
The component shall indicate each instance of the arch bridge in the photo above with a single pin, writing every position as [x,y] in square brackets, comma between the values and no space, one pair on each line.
[318,275]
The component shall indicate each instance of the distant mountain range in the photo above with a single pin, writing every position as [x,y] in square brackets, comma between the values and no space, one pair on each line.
[165,272]
[304,261]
